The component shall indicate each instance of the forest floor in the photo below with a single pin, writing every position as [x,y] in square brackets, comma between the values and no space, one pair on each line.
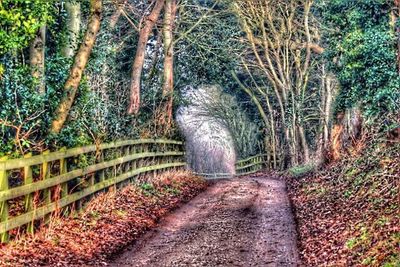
[348,213]
[237,222]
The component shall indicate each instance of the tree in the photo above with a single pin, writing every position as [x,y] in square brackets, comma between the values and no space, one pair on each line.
[362,51]
[144,33]
[37,58]
[80,61]
[164,116]
[282,39]
[73,26]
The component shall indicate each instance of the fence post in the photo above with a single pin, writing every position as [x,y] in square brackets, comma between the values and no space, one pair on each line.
[140,162]
[145,162]
[3,205]
[126,154]
[64,186]
[28,179]
[155,159]
[45,176]
[102,171]
[46,192]
[64,169]
[133,163]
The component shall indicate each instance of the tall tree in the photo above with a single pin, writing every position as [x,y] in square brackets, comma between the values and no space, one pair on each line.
[73,26]
[144,33]
[37,58]
[168,82]
[80,61]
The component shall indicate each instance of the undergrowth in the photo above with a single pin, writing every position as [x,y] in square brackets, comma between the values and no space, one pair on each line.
[348,214]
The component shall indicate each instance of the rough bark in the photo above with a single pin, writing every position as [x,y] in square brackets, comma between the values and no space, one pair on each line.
[346,131]
[73,25]
[137,68]
[304,144]
[80,61]
[397,15]
[37,58]
[168,82]
[328,87]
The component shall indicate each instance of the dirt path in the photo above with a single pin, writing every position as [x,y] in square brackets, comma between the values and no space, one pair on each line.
[237,222]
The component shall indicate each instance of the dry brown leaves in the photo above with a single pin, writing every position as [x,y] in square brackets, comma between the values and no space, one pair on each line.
[348,214]
[109,223]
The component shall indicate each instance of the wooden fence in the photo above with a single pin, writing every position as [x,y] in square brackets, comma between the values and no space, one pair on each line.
[250,165]
[33,187]
[243,167]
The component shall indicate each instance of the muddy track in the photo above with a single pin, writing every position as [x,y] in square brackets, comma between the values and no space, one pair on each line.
[238,222]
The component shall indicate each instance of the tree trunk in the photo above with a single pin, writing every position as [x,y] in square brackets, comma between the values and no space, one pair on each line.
[337,134]
[397,30]
[117,14]
[268,123]
[137,68]
[80,61]
[304,144]
[165,115]
[73,26]
[37,58]
[327,91]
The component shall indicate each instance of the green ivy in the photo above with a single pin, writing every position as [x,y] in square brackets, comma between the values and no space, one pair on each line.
[20,20]
[362,52]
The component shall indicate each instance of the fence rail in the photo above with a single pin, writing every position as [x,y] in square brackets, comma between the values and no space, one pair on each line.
[33,187]
[243,167]
[250,165]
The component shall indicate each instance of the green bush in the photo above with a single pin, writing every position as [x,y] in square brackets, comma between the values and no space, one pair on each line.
[20,20]
[362,52]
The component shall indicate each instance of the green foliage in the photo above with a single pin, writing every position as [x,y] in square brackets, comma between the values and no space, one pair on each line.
[20,20]
[302,170]
[22,107]
[108,74]
[363,54]
[99,110]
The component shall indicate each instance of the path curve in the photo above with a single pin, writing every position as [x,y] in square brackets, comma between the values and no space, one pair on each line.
[238,222]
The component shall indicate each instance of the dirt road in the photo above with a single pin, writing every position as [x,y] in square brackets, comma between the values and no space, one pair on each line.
[238,222]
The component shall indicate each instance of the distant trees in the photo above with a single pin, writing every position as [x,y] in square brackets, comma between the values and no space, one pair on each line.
[280,63]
